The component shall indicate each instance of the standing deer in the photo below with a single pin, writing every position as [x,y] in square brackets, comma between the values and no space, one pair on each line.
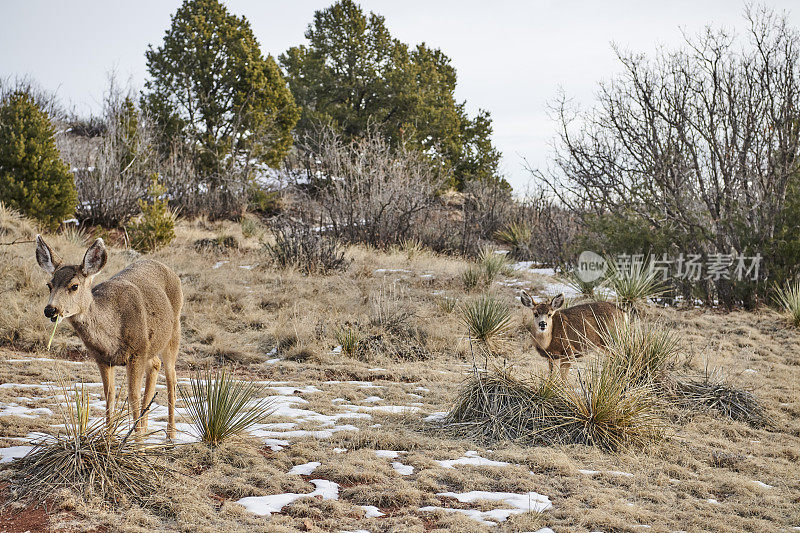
[132,320]
[563,336]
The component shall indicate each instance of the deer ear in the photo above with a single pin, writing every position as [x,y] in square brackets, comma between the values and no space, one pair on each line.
[558,301]
[95,258]
[47,259]
[526,299]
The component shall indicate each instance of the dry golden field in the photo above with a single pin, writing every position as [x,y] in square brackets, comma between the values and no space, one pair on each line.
[384,462]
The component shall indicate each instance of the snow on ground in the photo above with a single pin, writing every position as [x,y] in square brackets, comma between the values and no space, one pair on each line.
[273,503]
[471,458]
[13,452]
[520,503]
[14,409]
[304,469]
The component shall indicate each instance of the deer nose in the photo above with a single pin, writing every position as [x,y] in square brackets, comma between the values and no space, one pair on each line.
[50,311]
[542,325]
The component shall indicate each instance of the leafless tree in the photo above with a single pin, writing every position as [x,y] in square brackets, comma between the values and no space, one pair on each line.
[700,142]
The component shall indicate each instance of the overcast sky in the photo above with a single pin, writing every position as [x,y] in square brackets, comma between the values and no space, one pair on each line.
[512,57]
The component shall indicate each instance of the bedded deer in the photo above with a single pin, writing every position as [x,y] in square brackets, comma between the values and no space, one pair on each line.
[561,336]
[131,320]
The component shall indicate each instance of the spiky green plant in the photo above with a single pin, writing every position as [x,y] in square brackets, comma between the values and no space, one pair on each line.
[90,458]
[251,227]
[486,318]
[587,289]
[788,298]
[607,412]
[446,304]
[493,264]
[471,277]
[640,351]
[634,286]
[220,406]
[517,235]
[349,339]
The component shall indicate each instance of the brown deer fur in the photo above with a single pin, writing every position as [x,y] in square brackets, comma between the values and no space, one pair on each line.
[562,336]
[131,320]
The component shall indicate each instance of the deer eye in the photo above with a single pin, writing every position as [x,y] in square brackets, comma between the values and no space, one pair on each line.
[73,288]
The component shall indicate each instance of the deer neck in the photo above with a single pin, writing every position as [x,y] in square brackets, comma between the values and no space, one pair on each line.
[87,322]
[543,338]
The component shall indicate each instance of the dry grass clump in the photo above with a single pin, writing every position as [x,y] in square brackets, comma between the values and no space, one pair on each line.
[89,460]
[304,248]
[602,411]
[389,494]
[220,406]
[710,391]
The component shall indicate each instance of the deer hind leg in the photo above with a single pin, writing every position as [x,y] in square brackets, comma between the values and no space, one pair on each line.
[136,369]
[151,378]
[169,372]
[107,375]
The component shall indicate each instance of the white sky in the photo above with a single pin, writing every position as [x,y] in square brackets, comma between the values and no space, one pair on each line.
[511,56]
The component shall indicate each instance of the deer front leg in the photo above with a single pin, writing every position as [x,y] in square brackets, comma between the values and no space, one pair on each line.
[151,378]
[135,371]
[565,369]
[107,375]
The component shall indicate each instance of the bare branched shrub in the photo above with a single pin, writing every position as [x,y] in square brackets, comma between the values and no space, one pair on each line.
[306,248]
[113,159]
[367,191]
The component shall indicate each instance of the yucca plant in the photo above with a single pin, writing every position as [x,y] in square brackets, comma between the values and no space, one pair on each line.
[492,264]
[788,298]
[471,277]
[517,235]
[75,235]
[607,412]
[487,319]
[349,340]
[639,351]
[90,459]
[587,289]
[634,286]
[710,391]
[220,406]
[446,304]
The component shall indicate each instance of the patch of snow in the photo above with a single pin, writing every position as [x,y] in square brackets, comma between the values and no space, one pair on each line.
[339,450]
[385,408]
[750,370]
[471,458]
[609,472]
[531,501]
[762,484]
[489,518]
[436,417]
[372,399]
[248,267]
[14,409]
[304,469]
[219,264]
[13,452]
[403,470]
[372,511]
[387,454]
[266,505]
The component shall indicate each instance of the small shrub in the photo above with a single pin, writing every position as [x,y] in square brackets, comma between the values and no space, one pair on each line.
[635,286]
[221,244]
[250,227]
[641,352]
[486,318]
[267,203]
[349,340]
[75,235]
[390,310]
[220,406]
[788,297]
[89,459]
[300,246]
[155,227]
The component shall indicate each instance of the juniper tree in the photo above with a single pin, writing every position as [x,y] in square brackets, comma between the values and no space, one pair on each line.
[33,179]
